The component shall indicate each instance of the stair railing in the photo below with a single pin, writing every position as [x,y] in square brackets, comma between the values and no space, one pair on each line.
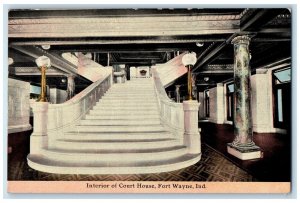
[52,120]
[171,113]
[180,118]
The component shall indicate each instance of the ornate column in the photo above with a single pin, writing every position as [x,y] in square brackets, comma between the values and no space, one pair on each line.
[38,138]
[71,86]
[188,60]
[123,71]
[177,92]
[189,83]
[43,96]
[43,63]
[242,146]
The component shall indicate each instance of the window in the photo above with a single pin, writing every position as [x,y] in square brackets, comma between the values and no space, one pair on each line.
[282,97]
[206,95]
[230,92]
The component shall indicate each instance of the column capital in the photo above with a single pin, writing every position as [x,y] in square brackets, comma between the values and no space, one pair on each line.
[70,76]
[242,39]
[39,106]
[261,71]
[191,105]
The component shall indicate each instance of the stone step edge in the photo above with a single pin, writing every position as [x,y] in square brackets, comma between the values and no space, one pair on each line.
[178,163]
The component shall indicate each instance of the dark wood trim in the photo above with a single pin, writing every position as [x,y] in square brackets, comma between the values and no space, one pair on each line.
[229,95]
[275,88]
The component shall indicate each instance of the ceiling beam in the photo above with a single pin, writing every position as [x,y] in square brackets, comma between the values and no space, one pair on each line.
[35,71]
[256,15]
[133,26]
[56,61]
[59,41]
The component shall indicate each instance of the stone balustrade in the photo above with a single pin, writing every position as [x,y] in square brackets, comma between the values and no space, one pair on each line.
[180,118]
[63,117]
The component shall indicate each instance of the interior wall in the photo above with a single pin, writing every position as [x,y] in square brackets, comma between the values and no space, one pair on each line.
[201,107]
[261,102]
[216,104]
[18,106]
[261,120]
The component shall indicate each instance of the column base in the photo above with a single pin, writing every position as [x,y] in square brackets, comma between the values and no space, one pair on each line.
[192,141]
[37,143]
[244,154]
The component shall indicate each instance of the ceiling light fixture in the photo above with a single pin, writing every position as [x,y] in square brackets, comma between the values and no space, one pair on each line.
[199,44]
[46,46]
[10,61]
[188,60]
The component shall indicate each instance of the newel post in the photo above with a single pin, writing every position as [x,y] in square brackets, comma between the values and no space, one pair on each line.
[191,132]
[38,138]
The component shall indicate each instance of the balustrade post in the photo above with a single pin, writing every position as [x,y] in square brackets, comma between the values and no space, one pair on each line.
[191,132]
[38,138]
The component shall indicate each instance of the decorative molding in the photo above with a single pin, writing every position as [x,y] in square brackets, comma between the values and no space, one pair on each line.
[243,39]
[282,19]
[107,41]
[261,71]
[56,60]
[112,26]
[206,50]
[216,68]
[244,12]
[131,19]
[219,67]
[283,62]
[36,71]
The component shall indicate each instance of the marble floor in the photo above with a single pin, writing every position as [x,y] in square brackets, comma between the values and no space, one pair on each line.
[275,166]
[213,166]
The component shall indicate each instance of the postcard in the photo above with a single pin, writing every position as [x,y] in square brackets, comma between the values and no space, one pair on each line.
[149,100]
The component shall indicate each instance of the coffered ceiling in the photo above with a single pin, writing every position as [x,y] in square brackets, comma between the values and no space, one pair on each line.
[145,37]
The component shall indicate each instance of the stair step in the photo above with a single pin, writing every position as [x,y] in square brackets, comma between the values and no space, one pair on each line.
[119,101]
[122,134]
[114,156]
[129,96]
[124,112]
[119,122]
[123,117]
[114,144]
[129,99]
[125,108]
[121,129]
[43,163]
[124,105]
[136,86]
[131,90]
[118,136]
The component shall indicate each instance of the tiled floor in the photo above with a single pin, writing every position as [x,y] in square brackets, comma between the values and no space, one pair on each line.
[274,166]
[212,167]
[215,165]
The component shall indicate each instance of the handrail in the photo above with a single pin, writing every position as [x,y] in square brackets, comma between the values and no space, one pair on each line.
[171,113]
[63,116]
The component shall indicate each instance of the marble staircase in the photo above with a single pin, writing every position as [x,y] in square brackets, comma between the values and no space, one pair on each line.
[121,134]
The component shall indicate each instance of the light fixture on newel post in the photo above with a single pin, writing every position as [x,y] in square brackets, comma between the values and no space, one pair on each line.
[188,61]
[43,62]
